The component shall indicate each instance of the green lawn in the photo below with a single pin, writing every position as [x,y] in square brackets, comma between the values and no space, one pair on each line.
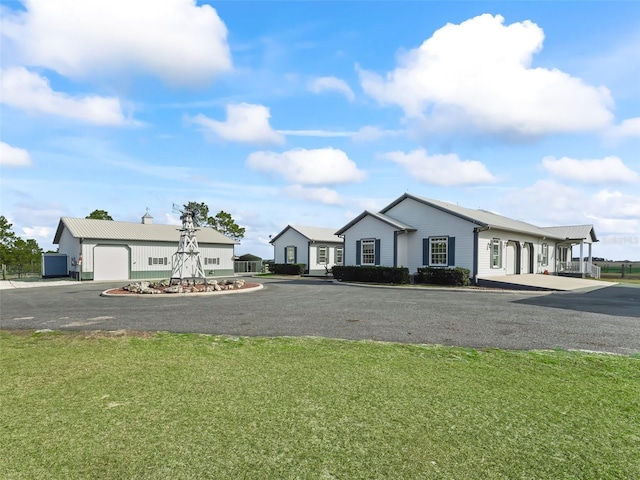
[104,406]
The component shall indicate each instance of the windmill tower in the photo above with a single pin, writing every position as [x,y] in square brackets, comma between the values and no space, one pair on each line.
[187,264]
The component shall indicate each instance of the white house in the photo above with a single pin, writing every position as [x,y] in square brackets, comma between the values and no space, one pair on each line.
[318,248]
[414,231]
[111,250]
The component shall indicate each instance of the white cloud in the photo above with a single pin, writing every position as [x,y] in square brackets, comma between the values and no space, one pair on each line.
[317,195]
[370,133]
[630,128]
[445,170]
[317,133]
[38,232]
[608,169]
[30,92]
[319,166]
[245,123]
[13,156]
[478,74]
[174,39]
[328,84]
[613,213]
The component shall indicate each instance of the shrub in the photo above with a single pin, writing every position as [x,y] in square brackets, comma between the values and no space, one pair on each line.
[443,276]
[371,274]
[288,268]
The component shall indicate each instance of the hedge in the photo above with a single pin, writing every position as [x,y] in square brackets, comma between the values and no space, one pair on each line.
[371,274]
[288,268]
[444,276]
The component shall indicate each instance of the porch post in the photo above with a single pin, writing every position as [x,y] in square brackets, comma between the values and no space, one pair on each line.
[581,257]
[590,265]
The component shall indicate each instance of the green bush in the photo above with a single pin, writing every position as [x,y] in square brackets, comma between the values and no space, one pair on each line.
[443,276]
[397,275]
[288,268]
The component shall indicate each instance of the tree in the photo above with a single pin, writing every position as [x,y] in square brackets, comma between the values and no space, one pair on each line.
[99,215]
[222,222]
[7,240]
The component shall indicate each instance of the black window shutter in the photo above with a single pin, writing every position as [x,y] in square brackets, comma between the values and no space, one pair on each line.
[295,254]
[451,251]
[425,251]
[358,250]
[377,252]
[286,260]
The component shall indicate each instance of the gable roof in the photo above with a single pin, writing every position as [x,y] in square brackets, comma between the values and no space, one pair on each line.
[481,218]
[113,230]
[313,234]
[378,216]
[575,232]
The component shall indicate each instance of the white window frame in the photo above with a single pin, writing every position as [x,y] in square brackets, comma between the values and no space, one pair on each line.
[290,254]
[544,254]
[339,260]
[370,254]
[320,260]
[436,242]
[496,257]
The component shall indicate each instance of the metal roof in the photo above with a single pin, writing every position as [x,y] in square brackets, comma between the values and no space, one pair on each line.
[482,218]
[575,232]
[379,216]
[113,230]
[313,234]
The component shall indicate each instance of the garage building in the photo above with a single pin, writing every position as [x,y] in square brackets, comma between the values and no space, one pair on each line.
[110,250]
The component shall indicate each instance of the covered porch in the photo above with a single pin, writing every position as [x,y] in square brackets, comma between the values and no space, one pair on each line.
[579,240]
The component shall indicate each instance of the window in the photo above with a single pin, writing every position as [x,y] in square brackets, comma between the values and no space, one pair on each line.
[496,253]
[323,254]
[157,261]
[438,251]
[545,255]
[211,261]
[290,254]
[368,253]
[339,255]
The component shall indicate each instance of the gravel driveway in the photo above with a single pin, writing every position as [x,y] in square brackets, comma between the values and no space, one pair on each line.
[606,320]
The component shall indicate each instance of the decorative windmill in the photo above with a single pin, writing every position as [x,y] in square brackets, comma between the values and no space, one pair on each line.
[187,264]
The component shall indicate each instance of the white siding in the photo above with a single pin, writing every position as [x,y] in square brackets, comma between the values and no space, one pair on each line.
[71,247]
[403,250]
[431,222]
[291,238]
[313,264]
[484,252]
[369,227]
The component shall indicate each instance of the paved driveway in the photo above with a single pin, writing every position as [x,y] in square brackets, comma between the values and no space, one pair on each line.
[606,320]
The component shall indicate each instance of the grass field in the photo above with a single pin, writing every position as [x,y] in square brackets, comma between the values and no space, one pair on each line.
[168,406]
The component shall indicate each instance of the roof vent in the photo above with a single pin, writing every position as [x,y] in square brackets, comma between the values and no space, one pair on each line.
[147,219]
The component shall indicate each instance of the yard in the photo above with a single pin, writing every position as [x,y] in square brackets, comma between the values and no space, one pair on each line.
[124,405]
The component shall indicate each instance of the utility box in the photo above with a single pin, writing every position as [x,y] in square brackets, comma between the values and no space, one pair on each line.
[54,265]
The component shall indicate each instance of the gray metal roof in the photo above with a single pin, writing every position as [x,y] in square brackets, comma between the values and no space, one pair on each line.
[379,216]
[575,232]
[482,218]
[313,234]
[112,230]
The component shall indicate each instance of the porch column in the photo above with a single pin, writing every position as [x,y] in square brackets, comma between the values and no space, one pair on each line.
[581,257]
[590,264]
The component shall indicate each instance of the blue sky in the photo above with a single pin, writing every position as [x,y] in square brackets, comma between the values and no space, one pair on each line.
[308,113]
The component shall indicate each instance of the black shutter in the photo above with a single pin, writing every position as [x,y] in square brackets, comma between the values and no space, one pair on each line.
[425,251]
[295,254]
[377,252]
[358,250]
[285,255]
[451,252]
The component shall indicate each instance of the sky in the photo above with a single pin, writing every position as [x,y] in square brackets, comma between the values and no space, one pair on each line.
[309,112]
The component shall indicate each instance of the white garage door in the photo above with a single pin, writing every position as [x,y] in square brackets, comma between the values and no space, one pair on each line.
[110,262]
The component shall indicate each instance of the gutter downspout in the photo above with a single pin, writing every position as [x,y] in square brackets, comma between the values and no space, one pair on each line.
[476,236]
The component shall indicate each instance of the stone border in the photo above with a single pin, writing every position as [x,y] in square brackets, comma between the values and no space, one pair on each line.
[173,295]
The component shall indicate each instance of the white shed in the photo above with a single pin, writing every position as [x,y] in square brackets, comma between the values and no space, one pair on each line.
[111,250]
[317,247]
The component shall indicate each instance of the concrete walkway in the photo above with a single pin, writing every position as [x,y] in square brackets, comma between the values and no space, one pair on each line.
[542,282]
[6,284]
